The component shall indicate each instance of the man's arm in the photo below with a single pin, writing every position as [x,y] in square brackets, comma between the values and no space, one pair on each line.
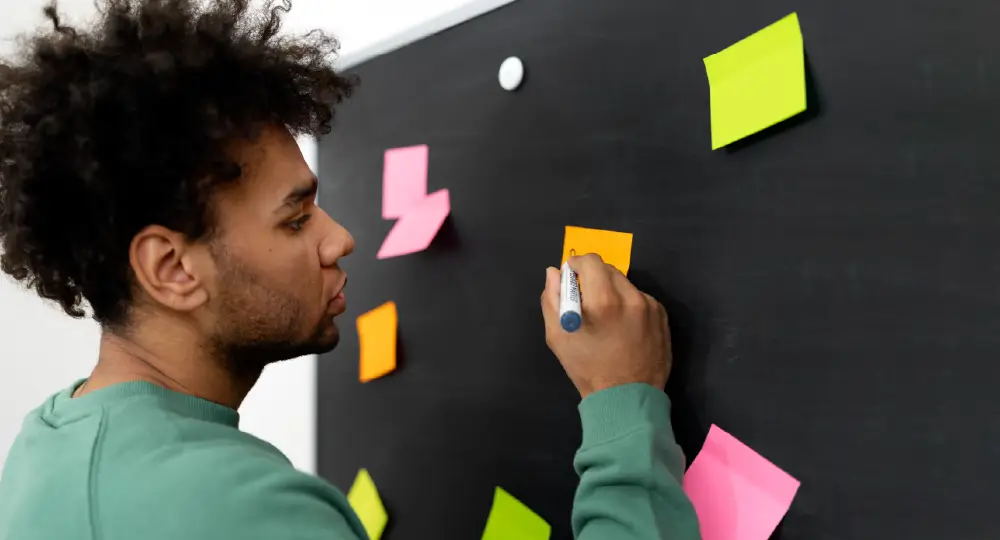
[630,469]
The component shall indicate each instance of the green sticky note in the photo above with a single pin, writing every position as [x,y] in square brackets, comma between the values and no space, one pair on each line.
[367,505]
[757,82]
[510,519]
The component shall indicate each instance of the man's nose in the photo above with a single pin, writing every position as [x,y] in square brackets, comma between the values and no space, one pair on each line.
[336,244]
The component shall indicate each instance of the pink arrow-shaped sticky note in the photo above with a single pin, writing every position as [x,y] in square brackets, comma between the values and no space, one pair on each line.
[404,179]
[736,492]
[417,227]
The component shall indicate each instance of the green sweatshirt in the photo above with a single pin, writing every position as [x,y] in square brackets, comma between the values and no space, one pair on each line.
[138,461]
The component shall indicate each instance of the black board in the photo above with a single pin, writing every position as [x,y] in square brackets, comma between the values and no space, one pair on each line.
[834,282]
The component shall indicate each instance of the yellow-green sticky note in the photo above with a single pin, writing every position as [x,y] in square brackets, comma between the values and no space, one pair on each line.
[510,519]
[757,82]
[367,505]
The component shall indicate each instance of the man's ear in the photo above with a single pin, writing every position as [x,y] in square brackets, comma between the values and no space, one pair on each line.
[169,268]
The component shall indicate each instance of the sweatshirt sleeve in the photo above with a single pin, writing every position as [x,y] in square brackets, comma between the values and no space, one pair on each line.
[631,469]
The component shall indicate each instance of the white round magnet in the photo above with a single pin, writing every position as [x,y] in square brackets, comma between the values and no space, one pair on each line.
[511,73]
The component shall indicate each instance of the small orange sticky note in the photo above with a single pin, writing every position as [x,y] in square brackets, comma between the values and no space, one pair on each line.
[377,334]
[614,247]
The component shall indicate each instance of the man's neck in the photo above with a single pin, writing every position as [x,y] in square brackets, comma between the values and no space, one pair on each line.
[175,362]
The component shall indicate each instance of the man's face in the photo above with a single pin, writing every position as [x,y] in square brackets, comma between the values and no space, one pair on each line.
[278,281]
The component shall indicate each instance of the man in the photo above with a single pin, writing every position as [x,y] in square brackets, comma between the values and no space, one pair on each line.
[148,169]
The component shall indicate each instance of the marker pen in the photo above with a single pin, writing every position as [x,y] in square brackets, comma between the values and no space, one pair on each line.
[570,314]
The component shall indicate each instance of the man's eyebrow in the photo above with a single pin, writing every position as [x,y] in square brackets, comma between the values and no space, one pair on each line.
[299,194]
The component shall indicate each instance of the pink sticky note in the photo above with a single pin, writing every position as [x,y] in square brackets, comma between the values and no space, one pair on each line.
[737,494]
[404,180]
[417,227]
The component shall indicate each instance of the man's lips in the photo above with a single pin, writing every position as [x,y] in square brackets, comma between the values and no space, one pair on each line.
[338,304]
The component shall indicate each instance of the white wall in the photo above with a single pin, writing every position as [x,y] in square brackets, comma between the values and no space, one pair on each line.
[43,351]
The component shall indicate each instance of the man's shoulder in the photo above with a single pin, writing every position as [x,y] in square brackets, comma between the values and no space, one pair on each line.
[148,440]
[200,468]
[148,427]
[222,481]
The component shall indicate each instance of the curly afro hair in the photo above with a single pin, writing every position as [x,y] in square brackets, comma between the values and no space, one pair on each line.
[106,130]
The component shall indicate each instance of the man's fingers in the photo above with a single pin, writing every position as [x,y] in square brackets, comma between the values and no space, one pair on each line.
[550,305]
[659,313]
[595,280]
[550,296]
[620,282]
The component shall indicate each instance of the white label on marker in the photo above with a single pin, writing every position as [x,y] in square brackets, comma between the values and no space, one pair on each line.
[570,316]
[570,288]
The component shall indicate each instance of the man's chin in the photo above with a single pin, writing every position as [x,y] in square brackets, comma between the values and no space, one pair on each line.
[325,339]
[327,345]
[322,341]
[319,345]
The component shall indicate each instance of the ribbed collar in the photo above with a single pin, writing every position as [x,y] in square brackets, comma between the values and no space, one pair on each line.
[65,404]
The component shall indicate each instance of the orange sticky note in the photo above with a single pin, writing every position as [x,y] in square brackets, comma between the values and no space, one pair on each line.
[614,247]
[377,334]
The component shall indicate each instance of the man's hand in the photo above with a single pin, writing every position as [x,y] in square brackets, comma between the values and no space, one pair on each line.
[624,338]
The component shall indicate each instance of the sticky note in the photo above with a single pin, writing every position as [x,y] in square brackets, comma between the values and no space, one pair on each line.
[367,504]
[614,247]
[404,179]
[415,230]
[404,197]
[737,494]
[377,334]
[757,82]
[510,519]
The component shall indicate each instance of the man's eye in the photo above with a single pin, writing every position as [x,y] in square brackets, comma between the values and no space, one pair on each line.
[298,224]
